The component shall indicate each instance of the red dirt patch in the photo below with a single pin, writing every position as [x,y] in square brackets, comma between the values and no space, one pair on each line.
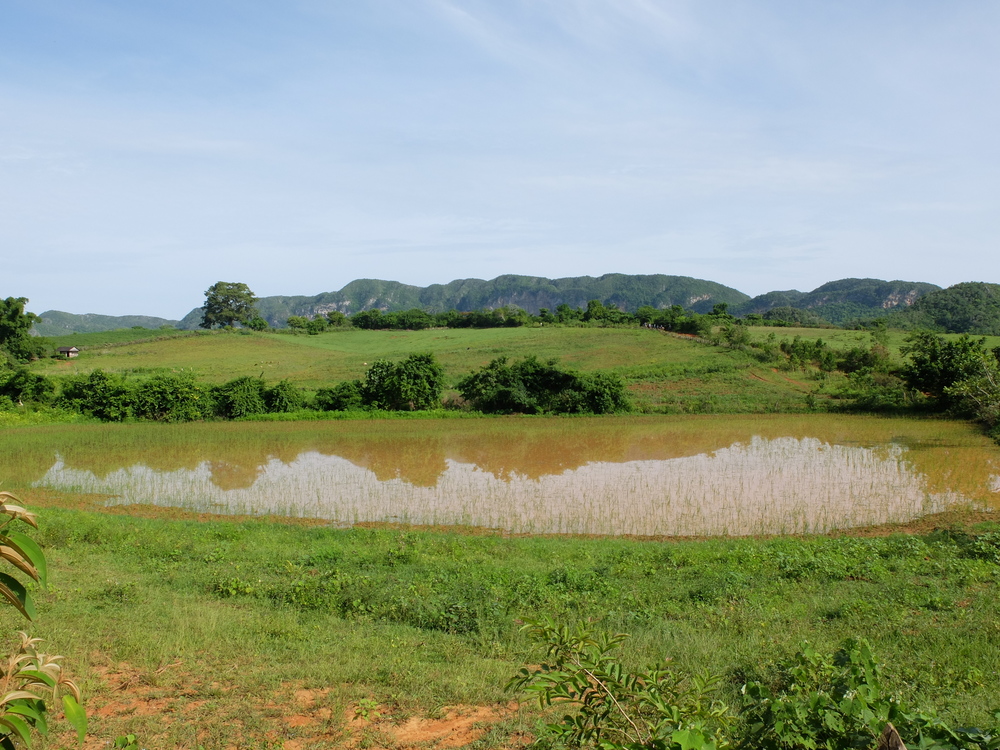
[297,717]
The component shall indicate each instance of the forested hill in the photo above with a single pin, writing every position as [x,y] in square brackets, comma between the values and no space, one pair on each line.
[56,323]
[845,300]
[528,292]
[837,301]
[971,307]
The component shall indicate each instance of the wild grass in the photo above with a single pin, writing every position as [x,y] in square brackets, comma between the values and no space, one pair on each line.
[183,630]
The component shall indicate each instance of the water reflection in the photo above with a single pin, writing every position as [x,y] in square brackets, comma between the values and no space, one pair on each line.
[594,482]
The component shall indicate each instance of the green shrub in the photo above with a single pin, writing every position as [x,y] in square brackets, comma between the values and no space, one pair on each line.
[414,383]
[532,387]
[283,396]
[106,396]
[172,398]
[242,397]
[345,396]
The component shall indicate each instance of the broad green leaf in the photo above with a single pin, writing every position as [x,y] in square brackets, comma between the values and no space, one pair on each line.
[37,716]
[75,715]
[30,549]
[15,593]
[18,726]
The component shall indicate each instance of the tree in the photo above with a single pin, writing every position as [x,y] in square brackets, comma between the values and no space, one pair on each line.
[936,363]
[533,387]
[15,330]
[228,303]
[415,383]
[337,319]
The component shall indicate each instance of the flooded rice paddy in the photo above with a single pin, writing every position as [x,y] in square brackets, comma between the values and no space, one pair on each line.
[731,475]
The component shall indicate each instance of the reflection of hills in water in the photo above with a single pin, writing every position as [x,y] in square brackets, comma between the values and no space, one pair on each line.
[759,486]
[950,454]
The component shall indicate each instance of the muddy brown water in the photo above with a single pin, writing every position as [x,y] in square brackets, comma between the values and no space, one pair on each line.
[732,475]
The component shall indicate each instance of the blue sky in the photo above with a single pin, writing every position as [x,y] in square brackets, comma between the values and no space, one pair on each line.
[150,149]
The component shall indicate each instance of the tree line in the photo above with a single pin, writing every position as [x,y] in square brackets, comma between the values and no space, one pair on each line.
[415,383]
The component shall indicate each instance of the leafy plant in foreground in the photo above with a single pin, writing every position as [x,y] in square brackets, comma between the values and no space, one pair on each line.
[840,702]
[27,675]
[815,701]
[652,708]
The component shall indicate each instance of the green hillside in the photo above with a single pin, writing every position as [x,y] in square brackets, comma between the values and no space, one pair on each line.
[664,373]
[837,302]
[845,300]
[57,323]
[970,307]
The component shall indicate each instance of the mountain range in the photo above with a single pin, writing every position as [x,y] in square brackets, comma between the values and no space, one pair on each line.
[837,302]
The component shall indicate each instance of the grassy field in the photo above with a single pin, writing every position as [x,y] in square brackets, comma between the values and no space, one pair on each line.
[257,634]
[665,373]
[342,355]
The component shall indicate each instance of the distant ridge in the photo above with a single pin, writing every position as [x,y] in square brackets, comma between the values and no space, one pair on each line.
[845,300]
[56,323]
[970,307]
[838,302]
[528,292]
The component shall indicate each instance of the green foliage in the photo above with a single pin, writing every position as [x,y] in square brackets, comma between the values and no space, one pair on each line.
[821,702]
[28,676]
[316,326]
[936,364]
[979,393]
[970,307]
[345,396]
[171,398]
[282,397]
[532,387]
[815,701]
[228,303]
[20,384]
[406,320]
[337,319]
[414,383]
[163,397]
[840,702]
[241,397]
[792,316]
[617,708]
[297,322]
[106,396]
[15,330]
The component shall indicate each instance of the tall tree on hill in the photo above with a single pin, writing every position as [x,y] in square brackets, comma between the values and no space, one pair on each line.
[15,330]
[228,303]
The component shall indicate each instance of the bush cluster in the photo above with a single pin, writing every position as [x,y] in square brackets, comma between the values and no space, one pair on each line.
[533,387]
[414,383]
[174,397]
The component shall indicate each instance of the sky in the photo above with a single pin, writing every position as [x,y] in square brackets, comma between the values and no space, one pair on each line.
[150,149]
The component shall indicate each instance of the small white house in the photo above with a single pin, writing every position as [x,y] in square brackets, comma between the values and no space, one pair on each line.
[68,352]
